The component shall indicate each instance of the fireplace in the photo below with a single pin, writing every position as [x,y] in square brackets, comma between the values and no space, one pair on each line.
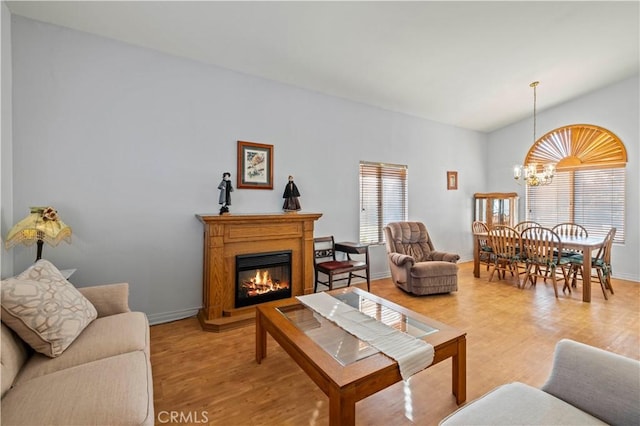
[262,277]
[229,235]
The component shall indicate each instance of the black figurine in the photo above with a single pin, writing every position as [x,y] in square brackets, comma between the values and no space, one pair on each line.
[291,194]
[226,188]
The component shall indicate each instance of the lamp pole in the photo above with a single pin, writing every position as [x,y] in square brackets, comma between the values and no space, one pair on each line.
[40,243]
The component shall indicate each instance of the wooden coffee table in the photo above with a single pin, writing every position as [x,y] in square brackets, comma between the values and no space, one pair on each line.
[344,367]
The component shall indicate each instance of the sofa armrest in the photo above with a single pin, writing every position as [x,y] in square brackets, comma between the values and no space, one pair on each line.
[108,299]
[401,259]
[444,257]
[601,383]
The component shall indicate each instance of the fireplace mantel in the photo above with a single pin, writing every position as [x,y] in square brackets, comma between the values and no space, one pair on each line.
[229,235]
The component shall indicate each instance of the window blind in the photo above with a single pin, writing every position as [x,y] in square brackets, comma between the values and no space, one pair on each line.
[592,198]
[383,198]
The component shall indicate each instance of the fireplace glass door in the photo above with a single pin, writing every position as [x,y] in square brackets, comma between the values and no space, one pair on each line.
[262,277]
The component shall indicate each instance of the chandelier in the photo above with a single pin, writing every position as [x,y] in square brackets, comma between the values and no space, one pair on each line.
[534,174]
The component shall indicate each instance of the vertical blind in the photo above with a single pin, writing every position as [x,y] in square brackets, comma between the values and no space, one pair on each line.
[591,198]
[383,198]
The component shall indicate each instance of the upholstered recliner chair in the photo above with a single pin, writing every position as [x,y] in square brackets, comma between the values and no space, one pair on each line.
[416,267]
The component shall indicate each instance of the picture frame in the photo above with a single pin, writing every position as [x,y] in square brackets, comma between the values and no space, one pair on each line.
[255,165]
[452,180]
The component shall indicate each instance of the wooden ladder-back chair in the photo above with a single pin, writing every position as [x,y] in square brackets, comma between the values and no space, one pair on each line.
[325,262]
[541,248]
[485,252]
[505,242]
[601,263]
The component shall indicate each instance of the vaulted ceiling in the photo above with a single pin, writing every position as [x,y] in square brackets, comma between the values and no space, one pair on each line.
[467,64]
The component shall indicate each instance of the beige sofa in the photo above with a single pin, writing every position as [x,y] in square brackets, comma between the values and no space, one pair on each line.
[586,386]
[102,378]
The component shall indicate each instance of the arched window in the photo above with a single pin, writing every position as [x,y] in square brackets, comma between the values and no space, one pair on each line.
[589,185]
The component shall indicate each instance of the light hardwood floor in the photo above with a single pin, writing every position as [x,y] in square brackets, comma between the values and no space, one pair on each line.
[511,333]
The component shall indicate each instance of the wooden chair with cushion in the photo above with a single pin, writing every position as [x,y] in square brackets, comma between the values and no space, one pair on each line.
[570,229]
[416,267]
[541,248]
[505,242]
[485,251]
[601,264]
[519,227]
[325,262]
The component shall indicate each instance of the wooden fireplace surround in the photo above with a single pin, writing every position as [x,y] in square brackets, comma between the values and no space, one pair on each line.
[229,235]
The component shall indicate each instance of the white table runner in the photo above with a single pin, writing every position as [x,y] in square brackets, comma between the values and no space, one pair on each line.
[411,354]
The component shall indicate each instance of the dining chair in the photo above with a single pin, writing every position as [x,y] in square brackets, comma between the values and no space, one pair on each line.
[485,251]
[541,248]
[601,263]
[521,226]
[570,229]
[325,262]
[505,242]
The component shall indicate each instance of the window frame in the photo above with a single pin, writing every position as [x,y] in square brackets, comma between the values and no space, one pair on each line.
[573,197]
[591,164]
[379,201]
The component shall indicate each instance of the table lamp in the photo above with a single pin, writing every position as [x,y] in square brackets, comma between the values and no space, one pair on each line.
[42,225]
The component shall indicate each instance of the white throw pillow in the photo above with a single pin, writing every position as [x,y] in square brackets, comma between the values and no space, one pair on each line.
[45,309]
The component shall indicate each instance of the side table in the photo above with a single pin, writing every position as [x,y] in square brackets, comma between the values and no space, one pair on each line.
[350,248]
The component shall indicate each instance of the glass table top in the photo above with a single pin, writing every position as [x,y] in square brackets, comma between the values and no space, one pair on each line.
[343,346]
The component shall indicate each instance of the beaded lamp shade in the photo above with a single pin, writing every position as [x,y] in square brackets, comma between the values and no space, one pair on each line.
[42,225]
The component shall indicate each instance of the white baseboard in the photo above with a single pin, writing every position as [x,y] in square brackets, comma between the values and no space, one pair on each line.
[627,277]
[172,316]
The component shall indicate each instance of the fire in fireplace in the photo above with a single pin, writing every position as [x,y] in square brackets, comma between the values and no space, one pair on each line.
[262,277]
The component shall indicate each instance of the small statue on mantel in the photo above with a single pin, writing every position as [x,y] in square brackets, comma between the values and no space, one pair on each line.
[291,194]
[226,188]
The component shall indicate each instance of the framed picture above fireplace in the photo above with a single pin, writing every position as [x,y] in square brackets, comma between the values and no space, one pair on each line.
[255,165]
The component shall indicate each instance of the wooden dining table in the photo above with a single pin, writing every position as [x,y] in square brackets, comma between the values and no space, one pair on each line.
[587,245]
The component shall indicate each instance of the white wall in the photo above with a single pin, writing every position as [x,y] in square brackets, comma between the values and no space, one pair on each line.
[129,144]
[6,157]
[615,108]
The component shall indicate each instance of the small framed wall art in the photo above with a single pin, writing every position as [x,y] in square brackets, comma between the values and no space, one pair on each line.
[255,165]
[452,180]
